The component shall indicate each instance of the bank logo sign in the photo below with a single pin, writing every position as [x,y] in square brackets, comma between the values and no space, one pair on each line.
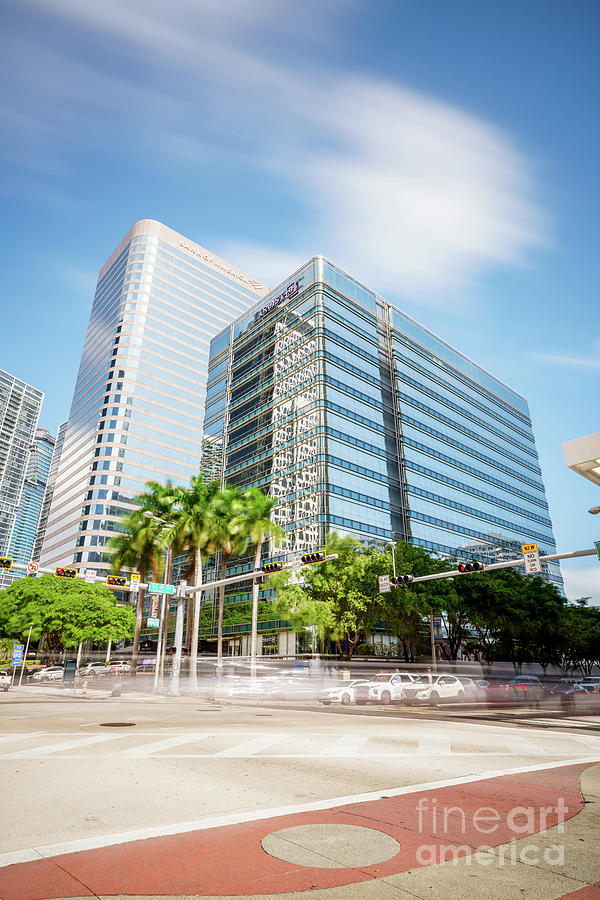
[290,291]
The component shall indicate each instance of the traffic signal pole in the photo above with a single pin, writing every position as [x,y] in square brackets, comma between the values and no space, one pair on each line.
[505,565]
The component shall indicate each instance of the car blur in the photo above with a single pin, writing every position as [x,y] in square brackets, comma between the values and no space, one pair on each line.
[48,673]
[92,670]
[434,689]
[344,693]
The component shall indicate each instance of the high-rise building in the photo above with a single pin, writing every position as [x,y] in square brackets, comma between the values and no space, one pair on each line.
[358,419]
[47,501]
[32,496]
[138,404]
[20,405]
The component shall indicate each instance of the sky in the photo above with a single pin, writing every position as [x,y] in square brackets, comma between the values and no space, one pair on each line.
[444,152]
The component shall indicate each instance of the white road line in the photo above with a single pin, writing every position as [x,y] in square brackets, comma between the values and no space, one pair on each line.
[588,739]
[110,840]
[148,749]
[436,746]
[37,752]
[6,738]
[347,745]
[522,745]
[249,748]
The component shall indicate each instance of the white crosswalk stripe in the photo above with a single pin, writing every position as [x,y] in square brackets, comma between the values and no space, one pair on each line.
[249,748]
[433,745]
[347,745]
[521,745]
[77,744]
[157,746]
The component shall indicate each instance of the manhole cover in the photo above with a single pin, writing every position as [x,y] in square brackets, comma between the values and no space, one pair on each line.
[330,846]
[116,724]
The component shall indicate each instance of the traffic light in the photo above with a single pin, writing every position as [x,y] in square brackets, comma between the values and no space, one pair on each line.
[116,580]
[403,579]
[5,562]
[260,579]
[65,573]
[472,566]
[269,568]
[317,556]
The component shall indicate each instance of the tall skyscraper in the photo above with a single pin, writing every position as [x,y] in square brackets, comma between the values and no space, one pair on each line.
[47,501]
[138,405]
[360,420]
[20,405]
[32,496]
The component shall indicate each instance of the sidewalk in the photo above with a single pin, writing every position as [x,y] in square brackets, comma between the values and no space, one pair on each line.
[543,828]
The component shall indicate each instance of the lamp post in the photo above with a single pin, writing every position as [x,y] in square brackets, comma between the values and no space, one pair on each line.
[176,667]
[24,663]
[393,546]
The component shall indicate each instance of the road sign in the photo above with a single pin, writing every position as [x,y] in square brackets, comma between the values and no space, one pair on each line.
[384,584]
[531,557]
[152,622]
[32,568]
[155,587]
[134,582]
[597,546]
[90,576]
[18,648]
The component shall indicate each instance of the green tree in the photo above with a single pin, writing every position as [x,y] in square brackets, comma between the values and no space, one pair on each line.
[258,528]
[67,612]
[230,539]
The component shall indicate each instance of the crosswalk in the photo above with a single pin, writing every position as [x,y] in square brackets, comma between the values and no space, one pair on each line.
[223,745]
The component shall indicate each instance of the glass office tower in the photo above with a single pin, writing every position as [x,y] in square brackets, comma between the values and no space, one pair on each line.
[138,404]
[360,420]
[32,498]
[47,501]
[20,405]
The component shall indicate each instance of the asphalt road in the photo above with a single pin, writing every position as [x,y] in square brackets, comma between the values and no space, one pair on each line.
[78,769]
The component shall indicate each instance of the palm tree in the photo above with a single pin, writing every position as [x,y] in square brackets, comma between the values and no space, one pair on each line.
[230,539]
[136,548]
[258,528]
[195,532]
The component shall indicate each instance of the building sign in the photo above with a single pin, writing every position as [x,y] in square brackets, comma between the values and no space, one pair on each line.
[215,264]
[290,291]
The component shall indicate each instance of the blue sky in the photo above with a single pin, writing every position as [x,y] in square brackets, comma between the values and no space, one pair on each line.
[445,153]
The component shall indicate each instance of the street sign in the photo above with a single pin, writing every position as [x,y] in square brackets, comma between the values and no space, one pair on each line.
[597,546]
[18,648]
[384,584]
[32,568]
[531,557]
[17,654]
[134,582]
[155,587]
[152,622]
[90,576]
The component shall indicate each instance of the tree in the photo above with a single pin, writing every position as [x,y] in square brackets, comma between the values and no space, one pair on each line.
[258,527]
[230,539]
[195,531]
[67,612]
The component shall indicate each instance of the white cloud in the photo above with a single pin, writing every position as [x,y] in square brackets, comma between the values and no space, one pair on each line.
[411,194]
[582,582]
[591,361]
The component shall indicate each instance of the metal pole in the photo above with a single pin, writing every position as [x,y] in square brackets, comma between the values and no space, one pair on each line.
[393,546]
[159,645]
[176,667]
[25,659]
[108,649]
[432,638]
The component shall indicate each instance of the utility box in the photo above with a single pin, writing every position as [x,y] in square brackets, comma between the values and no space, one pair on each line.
[70,667]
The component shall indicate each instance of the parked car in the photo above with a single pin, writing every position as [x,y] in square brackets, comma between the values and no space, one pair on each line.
[5,680]
[93,670]
[118,668]
[591,683]
[470,688]
[434,689]
[48,673]
[388,686]
[343,693]
[569,692]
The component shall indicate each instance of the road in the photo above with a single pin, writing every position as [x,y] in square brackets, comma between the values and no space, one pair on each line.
[86,774]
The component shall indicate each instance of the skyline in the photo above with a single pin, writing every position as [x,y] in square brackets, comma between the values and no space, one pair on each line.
[444,157]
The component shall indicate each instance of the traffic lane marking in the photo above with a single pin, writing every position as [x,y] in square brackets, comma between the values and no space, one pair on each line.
[202,862]
[210,822]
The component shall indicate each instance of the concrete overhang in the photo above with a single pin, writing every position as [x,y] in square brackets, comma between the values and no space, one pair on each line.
[583,456]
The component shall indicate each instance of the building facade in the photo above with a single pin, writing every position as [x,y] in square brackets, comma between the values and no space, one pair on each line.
[358,419]
[47,501]
[27,519]
[20,405]
[138,404]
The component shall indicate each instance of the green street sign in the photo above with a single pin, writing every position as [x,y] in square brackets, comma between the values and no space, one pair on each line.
[157,588]
[597,545]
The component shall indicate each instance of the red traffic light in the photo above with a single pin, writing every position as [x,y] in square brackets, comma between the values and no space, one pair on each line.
[116,580]
[403,579]
[472,566]
[62,572]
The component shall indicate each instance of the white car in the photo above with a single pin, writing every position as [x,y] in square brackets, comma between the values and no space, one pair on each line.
[92,670]
[434,689]
[118,668]
[343,693]
[5,680]
[389,687]
[49,673]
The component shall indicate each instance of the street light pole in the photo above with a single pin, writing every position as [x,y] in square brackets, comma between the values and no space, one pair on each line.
[24,663]
[164,626]
[393,546]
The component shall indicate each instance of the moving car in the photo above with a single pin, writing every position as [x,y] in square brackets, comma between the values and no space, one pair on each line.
[434,689]
[522,689]
[344,693]
[5,680]
[591,683]
[388,686]
[93,670]
[48,673]
[470,688]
